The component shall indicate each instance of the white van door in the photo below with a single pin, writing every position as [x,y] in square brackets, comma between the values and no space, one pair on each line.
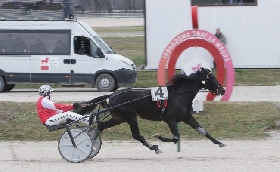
[50,69]
[87,62]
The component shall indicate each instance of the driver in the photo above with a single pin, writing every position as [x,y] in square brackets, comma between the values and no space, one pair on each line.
[51,113]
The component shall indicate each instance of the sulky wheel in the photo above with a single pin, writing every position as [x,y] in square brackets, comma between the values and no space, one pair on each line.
[96,143]
[95,139]
[83,148]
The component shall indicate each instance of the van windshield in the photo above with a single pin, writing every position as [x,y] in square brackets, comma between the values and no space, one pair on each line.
[103,45]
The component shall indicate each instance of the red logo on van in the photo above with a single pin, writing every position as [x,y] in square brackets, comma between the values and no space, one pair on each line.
[45,64]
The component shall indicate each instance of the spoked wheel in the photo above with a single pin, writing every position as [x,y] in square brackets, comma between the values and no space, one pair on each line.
[79,153]
[96,143]
[95,139]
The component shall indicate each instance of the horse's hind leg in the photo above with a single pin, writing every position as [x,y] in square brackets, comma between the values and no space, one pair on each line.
[137,136]
[195,125]
[110,123]
[173,128]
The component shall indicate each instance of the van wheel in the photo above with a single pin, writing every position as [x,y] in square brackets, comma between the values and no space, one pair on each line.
[2,84]
[105,83]
[9,87]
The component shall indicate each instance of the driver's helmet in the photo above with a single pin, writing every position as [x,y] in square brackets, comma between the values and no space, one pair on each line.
[45,90]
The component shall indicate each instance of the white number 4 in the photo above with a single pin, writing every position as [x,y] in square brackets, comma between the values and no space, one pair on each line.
[159,93]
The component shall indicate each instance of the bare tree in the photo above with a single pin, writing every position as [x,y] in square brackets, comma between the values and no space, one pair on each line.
[134,5]
[89,5]
[109,6]
[97,5]
[128,5]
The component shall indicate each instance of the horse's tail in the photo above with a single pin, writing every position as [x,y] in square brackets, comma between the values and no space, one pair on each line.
[91,105]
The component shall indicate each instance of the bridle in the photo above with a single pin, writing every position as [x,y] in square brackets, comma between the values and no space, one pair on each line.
[214,93]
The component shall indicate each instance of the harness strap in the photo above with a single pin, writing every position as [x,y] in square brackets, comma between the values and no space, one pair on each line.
[162,104]
[159,103]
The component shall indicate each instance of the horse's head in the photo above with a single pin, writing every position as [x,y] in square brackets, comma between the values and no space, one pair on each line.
[210,82]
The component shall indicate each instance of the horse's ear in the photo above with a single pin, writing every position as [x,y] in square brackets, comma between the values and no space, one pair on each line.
[202,69]
[199,73]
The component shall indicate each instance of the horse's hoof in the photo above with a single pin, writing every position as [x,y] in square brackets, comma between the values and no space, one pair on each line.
[158,151]
[222,145]
[156,135]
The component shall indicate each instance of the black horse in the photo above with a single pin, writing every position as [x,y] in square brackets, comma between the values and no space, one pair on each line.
[127,104]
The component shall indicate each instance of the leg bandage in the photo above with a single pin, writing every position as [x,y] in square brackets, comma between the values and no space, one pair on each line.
[201,131]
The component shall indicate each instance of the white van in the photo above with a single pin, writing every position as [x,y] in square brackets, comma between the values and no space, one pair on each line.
[59,52]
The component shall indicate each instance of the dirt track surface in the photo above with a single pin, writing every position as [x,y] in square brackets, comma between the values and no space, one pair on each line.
[237,156]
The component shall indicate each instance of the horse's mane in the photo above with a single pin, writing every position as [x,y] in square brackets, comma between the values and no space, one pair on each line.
[178,79]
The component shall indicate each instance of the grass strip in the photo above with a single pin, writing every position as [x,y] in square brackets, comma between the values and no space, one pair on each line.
[223,120]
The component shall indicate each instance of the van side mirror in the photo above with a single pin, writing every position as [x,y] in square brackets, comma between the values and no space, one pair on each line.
[113,50]
[99,53]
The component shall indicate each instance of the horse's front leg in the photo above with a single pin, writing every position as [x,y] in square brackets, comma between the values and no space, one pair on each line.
[195,125]
[174,130]
[137,136]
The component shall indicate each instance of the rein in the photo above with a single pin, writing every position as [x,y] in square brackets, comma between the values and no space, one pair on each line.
[113,107]
[128,90]
[183,92]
